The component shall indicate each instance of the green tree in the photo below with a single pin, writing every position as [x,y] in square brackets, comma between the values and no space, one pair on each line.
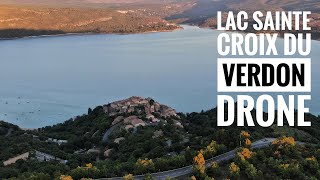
[144,166]
[189,154]
[214,170]
[251,171]
[212,148]
[148,177]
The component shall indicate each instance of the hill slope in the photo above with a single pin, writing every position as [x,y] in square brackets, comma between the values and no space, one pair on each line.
[85,2]
[139,130]
[204,9]
[17,21]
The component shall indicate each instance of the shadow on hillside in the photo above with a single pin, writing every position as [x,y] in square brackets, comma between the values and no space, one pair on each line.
[19,33]
[203,10]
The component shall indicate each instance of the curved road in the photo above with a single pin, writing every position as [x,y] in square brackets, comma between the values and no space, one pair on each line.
[188,169]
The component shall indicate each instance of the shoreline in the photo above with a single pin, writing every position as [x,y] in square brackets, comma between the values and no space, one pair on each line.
[106,33]
[87,33]
[316,114]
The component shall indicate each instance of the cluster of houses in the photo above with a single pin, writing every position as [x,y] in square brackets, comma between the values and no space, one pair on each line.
[147,112]
[58,141]
[52,140]
[134,112]
[139,105]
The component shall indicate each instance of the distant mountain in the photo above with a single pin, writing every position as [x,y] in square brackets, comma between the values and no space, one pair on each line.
[299,5]
[201,7]
[191,11]
[204,9]
[85,2]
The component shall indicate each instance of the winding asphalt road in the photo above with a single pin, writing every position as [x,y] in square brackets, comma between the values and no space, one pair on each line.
[188,169]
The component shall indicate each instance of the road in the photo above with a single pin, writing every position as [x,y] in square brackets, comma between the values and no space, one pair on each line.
[188,169]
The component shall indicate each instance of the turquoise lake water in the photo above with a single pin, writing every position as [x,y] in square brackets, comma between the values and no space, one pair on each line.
[48,80]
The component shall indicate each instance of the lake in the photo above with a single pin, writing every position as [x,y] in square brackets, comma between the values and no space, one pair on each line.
[48,80]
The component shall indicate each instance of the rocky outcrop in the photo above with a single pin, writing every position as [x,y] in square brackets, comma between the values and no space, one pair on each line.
[93,150]
[177,124]
[157,134]
[117,120]
[107,153]
[134,120]
[127,127]
[117,140]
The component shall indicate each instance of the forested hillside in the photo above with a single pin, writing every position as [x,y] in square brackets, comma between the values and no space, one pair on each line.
[145,139]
